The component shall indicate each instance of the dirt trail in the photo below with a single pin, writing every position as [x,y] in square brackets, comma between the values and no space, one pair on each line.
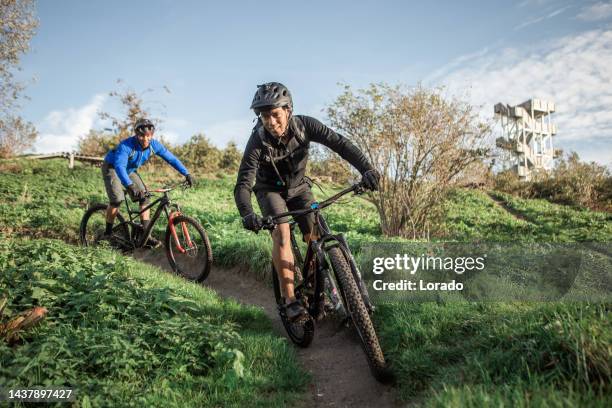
[504,205]
[341,376]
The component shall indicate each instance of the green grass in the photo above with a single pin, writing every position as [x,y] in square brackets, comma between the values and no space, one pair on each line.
[444,354]
[471,215]
[47,199]
[500,354]
[123,333]
[559,223]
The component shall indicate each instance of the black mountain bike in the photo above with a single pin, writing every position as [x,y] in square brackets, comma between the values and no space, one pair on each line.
[186,242]
[314,281]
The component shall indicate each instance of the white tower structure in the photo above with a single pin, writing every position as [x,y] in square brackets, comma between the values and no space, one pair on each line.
[528,132]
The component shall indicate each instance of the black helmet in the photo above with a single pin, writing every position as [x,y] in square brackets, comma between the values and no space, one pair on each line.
[142,124]
[271,95]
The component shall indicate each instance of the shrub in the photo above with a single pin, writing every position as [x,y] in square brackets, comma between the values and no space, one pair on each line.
[572,182]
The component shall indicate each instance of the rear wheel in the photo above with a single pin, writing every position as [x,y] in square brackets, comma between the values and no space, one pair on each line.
[93,226]
[301,331]
[188,248]
[359,315]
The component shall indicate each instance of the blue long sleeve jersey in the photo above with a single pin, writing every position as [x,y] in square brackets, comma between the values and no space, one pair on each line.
[128,156]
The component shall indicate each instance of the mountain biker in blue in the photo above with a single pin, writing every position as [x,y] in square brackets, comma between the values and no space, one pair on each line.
[275,157]
[119,171]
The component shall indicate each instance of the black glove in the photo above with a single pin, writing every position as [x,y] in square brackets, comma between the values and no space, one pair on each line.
[252,222]
[370,179]
[190,180]
[136,193]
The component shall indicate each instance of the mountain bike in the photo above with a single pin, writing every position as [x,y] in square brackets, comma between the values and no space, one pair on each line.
[186,243]
[319,290]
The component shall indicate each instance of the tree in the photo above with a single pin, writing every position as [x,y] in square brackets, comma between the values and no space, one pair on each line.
[199,153]
[420,142]
[16,135]
[230,160]
[326,165]
[134,109]
[97,143]
[17,27]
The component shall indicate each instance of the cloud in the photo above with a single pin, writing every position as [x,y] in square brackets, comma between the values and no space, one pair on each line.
[454,64]
[594,12]
[533,3]
[61,129]
[542,18]
[574,71]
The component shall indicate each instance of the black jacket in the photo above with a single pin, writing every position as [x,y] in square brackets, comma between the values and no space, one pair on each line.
[264,152]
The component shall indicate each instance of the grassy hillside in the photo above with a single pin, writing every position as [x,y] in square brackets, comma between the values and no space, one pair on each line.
[119,331]
[456,353]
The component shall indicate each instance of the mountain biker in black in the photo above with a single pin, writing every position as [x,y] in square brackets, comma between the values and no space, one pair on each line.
[276,156]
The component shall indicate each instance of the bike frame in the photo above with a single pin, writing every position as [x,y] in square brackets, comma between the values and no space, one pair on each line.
[317,248]
[164,204]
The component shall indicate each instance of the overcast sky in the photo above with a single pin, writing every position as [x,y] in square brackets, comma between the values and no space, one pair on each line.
[211,56]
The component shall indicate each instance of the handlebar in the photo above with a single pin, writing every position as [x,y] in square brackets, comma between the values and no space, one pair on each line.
[168,188]
[270,222]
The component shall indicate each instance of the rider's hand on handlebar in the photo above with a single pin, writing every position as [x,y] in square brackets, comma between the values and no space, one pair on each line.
[189,180]
[370,179]
[135,193]
[268,223]
[252,222]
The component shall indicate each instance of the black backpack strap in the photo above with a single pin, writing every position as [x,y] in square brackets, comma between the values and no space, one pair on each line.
[299,131]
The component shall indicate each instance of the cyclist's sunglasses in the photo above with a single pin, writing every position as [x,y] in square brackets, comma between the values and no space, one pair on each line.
[142,129]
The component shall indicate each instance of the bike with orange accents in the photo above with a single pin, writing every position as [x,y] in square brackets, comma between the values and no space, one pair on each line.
[186,243]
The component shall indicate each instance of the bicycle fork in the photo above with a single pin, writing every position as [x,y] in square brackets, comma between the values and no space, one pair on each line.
[177,242]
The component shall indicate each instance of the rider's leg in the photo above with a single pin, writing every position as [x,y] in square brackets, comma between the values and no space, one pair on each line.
[300,201]
[272,203]
[145,216]
[111,213]
[114,191]
[282,257]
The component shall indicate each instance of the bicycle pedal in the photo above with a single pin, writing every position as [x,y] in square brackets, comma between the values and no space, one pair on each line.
[301,319]
[152,243]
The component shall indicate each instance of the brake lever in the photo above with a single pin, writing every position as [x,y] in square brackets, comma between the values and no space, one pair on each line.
[268,224]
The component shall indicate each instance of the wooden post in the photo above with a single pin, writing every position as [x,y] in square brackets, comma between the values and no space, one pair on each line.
[71,160]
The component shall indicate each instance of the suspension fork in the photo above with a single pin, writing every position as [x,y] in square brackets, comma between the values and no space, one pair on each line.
[180,248]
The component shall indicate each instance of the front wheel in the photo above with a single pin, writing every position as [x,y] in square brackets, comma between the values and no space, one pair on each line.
[188,248]
[359,315]
[93,226]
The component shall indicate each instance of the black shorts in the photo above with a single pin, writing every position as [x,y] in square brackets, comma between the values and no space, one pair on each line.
[274,203]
